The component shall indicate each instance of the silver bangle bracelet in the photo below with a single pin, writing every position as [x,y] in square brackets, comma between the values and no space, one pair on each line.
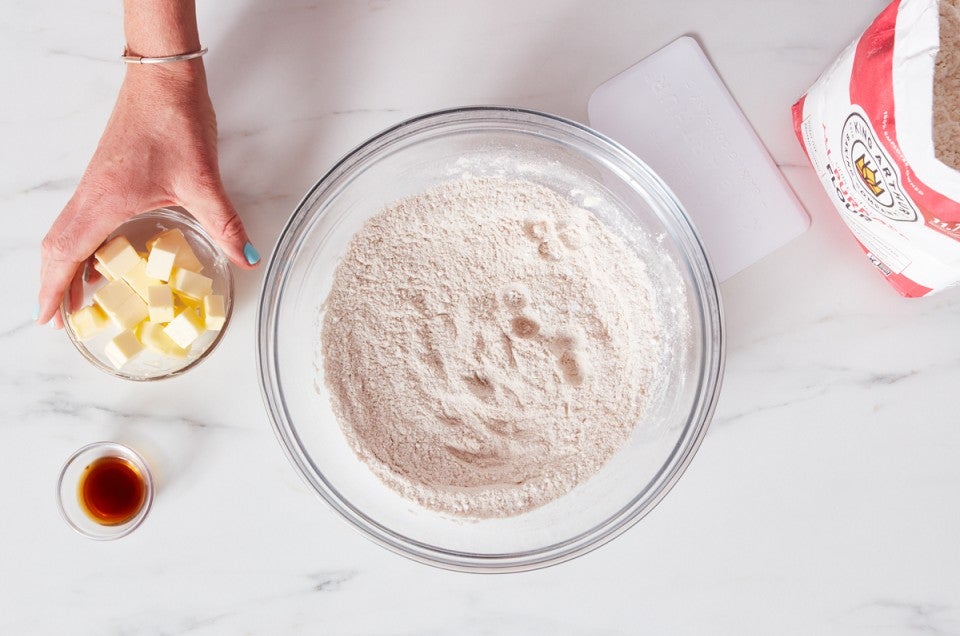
[136,59]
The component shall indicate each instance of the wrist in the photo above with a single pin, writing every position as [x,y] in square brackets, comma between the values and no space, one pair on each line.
[176,81]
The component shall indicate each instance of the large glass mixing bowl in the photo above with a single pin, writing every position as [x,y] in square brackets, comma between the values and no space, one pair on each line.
[591,171]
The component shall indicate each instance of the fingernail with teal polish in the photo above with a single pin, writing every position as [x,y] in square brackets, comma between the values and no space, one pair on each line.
[251,254]
[36,312]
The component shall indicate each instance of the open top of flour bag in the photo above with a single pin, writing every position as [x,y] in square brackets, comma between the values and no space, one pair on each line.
[881,129]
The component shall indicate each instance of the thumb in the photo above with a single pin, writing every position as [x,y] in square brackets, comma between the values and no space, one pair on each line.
[220,219]
[82,225]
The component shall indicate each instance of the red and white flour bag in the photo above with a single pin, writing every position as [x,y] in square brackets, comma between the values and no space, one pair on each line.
[882,129]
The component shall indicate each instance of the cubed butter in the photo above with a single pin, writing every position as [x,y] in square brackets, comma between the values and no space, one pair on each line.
[160,303]
[133,311]
[152,337]
[117,256]
[138,279]
[185,328]
[180,302]
[163,253]
[87,321]
[122,348]
[103,271]
[113,294]
[191,284]
[186,258]
[121,304]
[214,312]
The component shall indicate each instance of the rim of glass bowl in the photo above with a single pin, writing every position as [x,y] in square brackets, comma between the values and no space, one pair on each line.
[618,160]
[176,216]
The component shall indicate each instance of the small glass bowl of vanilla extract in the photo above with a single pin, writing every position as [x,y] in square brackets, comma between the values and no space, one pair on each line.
[105,490]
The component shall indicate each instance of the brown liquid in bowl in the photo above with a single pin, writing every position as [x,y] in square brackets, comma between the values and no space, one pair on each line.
[111,491]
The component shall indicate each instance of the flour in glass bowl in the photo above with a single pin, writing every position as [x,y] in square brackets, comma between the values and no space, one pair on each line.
[488,345]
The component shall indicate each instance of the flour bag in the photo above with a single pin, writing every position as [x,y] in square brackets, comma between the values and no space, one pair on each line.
[882,129]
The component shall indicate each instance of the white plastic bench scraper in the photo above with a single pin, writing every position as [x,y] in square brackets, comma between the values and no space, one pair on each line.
[673,111]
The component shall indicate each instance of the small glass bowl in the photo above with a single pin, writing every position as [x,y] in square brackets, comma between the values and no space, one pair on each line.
[149,365]
[68,495]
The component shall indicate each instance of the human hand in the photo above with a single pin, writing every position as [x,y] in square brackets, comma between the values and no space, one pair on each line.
[159,148]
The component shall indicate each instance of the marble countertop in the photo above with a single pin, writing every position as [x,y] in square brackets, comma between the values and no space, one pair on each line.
[823,500]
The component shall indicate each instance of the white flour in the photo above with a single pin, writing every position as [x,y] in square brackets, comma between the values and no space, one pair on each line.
[488,345]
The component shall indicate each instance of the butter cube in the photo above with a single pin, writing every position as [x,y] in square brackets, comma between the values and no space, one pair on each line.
[133,311]
[163,253]
[214,312]
[151,335]
[186,258]
[160,303]
[138,279]
[118,257]
[87,321]
[113,294]
[103,270]
[122,348]
[191,284]
[123,306]
[182,302]
[185,328]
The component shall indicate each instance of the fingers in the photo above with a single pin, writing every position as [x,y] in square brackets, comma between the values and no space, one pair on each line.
[218,216]
[77,232]
[74,296]
[55,278]
[76,291]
